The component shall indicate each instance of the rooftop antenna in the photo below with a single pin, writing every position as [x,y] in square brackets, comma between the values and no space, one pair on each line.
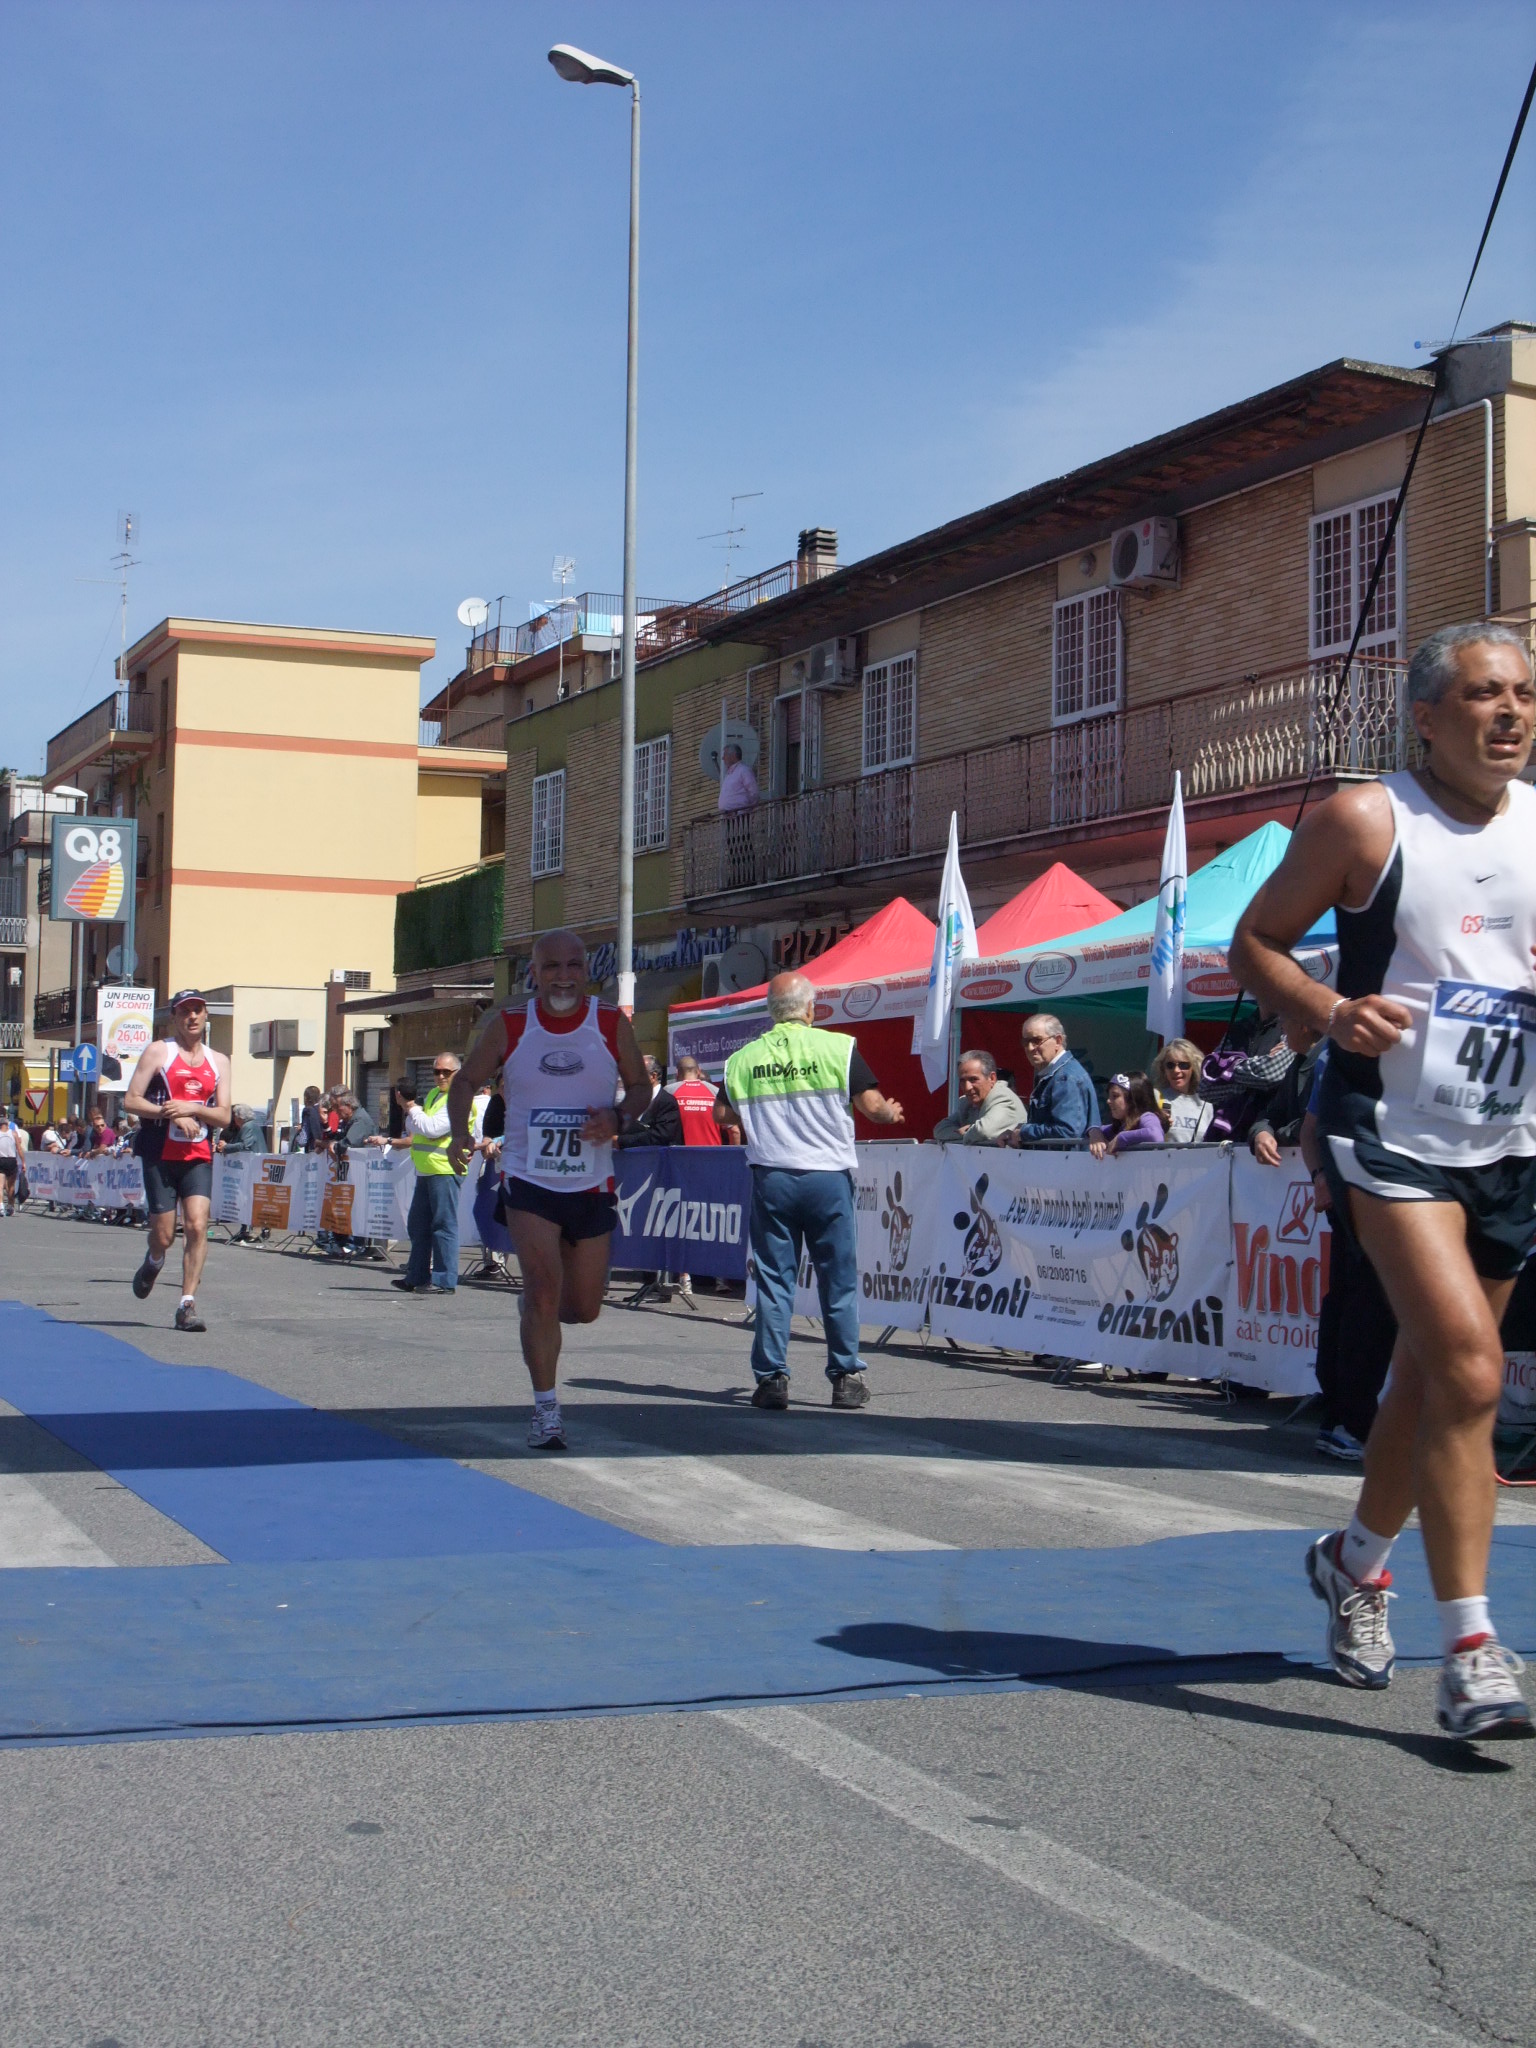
[124,560]
[730,536]
[562,568]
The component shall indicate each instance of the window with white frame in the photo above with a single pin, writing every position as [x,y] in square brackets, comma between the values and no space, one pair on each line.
[548,855]
[653,767]
[890,713]
[1087,666]
[1345,544]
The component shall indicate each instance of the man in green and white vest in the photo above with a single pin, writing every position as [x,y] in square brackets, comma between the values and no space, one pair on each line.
[793,1091]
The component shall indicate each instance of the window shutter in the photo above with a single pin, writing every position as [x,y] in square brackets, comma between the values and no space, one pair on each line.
[877,689]
[890,713]
[1344,549]
[548,851]
[1087,672]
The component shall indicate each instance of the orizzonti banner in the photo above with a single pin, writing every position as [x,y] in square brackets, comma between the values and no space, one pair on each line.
[1125,1261]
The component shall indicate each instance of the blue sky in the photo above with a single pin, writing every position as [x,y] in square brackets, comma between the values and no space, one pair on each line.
[332,295]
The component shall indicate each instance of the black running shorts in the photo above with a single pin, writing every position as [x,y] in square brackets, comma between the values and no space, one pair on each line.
[169,1181]
[1499,1198]
[589,1213]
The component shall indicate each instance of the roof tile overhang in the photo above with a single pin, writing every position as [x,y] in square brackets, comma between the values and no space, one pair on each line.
[1343,405]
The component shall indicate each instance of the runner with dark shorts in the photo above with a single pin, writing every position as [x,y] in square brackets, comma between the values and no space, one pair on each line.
[1428,1113]
[562,1060]
[180,1094]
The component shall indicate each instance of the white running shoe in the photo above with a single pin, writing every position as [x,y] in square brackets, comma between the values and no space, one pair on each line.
[1478,1699]
[546,1432]
[1360,1646]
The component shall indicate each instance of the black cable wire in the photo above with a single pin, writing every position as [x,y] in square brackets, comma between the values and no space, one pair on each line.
[1383,553]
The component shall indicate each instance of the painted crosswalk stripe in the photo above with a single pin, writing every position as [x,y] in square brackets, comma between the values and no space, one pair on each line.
[33,1532]
[701,1501]
[1308,2002]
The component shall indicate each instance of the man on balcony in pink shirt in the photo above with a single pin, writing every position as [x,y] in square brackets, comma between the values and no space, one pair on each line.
[738,785]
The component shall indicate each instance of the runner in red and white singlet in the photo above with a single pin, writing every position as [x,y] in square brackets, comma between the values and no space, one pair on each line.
[180,1094]
[564,1061]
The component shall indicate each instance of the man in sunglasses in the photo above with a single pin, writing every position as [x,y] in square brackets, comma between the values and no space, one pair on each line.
[1062,1104]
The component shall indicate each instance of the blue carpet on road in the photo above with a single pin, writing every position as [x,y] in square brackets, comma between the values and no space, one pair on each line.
[371,1583]
[210,1649]
[260,1478]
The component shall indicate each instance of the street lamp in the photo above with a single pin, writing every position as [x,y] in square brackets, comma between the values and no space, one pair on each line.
[577,67]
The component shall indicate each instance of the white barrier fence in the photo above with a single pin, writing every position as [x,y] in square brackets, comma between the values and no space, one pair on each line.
[365,1194]
[1189,1260]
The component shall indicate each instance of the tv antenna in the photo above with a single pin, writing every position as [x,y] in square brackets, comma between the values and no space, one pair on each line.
[124,560]
[730,536]
[563,569]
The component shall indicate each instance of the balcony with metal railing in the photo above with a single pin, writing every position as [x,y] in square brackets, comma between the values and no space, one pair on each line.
[122,723]
[13,908]
[487,735]
[595,614]
[12,1034]
[53,1009]
[1262,733]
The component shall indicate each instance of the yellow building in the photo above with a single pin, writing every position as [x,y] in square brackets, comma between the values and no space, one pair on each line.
[284,798]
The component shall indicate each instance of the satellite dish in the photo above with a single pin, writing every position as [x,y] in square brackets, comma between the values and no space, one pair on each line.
[474,612]
[742,966]
[737,734]
[121,962]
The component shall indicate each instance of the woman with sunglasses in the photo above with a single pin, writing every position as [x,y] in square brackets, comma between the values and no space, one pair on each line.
[1134,1117]
[1176,1070]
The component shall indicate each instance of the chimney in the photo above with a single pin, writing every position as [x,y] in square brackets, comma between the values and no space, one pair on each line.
[816,555]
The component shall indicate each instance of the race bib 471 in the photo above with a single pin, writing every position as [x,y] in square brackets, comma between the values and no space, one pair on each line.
[1478,1045]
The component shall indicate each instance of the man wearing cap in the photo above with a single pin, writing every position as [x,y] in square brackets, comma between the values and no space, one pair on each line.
[793,1091]
[180,1094]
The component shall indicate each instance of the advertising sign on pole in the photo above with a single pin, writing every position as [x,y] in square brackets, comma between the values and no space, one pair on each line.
[125,1024]
[93,869]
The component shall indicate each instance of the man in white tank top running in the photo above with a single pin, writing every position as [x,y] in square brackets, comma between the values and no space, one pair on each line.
[1428,1110]
[562,1060]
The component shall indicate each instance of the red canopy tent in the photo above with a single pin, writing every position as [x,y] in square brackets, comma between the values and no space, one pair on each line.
[1054,904]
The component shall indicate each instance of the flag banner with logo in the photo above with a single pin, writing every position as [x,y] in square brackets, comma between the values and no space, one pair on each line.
[954,943]
[683,1209]
[1165,985]
[1125,1261]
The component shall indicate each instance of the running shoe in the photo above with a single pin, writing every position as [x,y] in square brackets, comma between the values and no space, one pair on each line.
[1360,1646]
[850,1390]
[546,1432]
[1340,1443]
[145,1279]
[772,1391]
[187,1318]
[1478,1699]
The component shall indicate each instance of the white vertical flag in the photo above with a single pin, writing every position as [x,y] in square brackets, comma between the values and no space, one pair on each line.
[955,941]
[1165,989]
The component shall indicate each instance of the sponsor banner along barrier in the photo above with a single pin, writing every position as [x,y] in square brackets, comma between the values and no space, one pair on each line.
[1281,1247]
[1124,1261]
[683,1209]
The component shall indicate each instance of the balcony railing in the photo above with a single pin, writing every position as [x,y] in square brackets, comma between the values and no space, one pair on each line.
[124,720]
[11,1034]
[680,624]
[1256,734]
[13,908]
[598,613]
[54,1009]
[490,733]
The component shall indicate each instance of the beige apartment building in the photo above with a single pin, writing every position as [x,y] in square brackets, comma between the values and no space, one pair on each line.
[286,794]
[1040,668]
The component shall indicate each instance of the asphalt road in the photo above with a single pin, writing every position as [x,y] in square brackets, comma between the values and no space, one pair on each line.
[1251,1856]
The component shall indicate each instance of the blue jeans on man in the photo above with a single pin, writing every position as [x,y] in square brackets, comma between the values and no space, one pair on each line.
[791,1209]
[433,1224]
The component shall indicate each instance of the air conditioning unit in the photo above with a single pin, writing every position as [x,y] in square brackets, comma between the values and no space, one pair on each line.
[293,1037]
[830,665]
[1147,552]
[261,1041]
[727,974]
[368,1044]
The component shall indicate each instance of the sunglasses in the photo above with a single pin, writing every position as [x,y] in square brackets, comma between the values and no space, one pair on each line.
[1179,1066]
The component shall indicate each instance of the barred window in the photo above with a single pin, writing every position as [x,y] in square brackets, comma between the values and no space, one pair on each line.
[653,765]
[358,977]
[1086,657]
[890,713]
[548,856]
[1345,545]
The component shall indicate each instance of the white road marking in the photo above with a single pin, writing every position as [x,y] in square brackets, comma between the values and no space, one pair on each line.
[1136,1513]
[1311,2003]
[699,1500]
[1518,1510]
[33,1532]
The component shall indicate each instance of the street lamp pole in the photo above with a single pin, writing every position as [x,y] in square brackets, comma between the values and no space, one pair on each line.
[579,68]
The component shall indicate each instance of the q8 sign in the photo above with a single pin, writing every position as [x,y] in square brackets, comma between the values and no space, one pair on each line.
[93,869]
